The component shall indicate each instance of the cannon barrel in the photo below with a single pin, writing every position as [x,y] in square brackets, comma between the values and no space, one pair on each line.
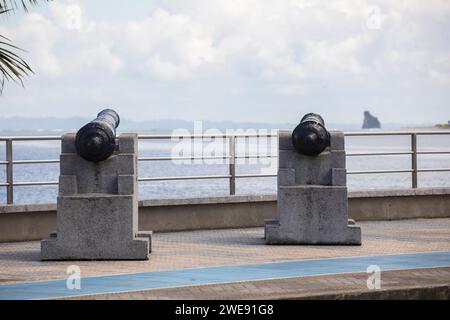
[96,141]
[311,137]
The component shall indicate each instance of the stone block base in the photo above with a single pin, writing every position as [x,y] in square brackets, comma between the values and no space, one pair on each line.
[54,250]
[97,227]
[312,215]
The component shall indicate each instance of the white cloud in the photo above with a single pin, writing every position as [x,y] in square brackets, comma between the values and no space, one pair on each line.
[38,36]
[269,52]
[102,57]
[173,45]
[292,90]
[166,70]
[329,58]
[442,77]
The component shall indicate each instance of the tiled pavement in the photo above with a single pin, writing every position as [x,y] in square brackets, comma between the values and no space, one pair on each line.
[340,286]
[19,262]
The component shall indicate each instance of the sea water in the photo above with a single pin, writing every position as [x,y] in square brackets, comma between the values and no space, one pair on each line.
[39,150]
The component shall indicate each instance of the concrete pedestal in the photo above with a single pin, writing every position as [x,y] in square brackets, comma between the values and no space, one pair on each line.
[312,197]
[97,213]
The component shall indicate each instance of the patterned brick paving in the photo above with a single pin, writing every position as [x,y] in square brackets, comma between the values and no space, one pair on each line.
[19,262]
[330,287]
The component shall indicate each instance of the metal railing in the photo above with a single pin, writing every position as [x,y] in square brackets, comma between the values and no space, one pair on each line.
[10,162]
[414,152]
[231,156]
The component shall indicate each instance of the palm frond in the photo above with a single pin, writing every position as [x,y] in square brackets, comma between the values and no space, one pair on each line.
[8,5]
[12,67]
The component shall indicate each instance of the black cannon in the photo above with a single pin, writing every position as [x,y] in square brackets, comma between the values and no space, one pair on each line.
[311,137]
[96,141]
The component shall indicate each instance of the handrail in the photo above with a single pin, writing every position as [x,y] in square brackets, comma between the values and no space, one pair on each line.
[232,156]
[243,135]
[396,133]
[30,138]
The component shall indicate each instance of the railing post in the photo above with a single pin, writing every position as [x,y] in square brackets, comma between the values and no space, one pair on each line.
[414,160]
[232,155]
[9,172]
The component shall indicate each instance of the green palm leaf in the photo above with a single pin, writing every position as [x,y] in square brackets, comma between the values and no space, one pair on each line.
[13,4]
[12,66]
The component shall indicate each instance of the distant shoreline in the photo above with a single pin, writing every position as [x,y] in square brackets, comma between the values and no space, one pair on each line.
[59,132]
[437,128]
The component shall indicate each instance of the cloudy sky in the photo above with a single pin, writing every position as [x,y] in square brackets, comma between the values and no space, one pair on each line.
[242,60]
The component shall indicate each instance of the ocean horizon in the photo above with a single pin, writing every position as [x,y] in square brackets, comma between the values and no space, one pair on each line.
[39,150]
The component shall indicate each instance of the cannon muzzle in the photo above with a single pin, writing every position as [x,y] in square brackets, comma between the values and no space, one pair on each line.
[96,141]
[311,137]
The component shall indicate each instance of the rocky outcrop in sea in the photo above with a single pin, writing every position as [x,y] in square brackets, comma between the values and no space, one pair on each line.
[370,122]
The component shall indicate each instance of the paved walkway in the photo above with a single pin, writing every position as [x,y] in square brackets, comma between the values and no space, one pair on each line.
[223,275]
[399,284]
[19,262]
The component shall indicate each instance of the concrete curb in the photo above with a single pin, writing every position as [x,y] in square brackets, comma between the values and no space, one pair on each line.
[441,292]
[36,221]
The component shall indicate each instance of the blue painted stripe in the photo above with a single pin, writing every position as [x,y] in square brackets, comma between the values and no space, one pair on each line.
[222,274]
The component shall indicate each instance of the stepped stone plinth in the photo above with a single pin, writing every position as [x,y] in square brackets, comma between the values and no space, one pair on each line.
[97,215]
[312,197]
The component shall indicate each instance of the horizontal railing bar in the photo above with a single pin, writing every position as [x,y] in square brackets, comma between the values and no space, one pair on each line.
[205,177]
[35,183]
[437,132]
[35,161]
[204,158]
[180,158]
[228,176]
[256,175]
[243,135]
[183,178]
[256,156]
[380,171]
[433,152]
[206,136]
[434,170]
[30,138]
[379,154]
[377,133]
[394,133]
[227,157]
